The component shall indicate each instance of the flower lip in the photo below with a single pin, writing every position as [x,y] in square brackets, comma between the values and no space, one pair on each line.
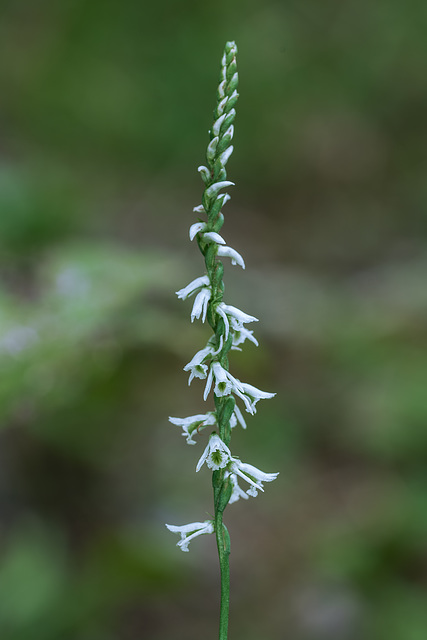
[216,455]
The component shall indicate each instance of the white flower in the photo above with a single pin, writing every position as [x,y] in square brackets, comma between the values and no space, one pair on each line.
[234,316]
[196,367]
[237,492]
[250,395]
[191,288]
[200,305]
[225,383]
[216,455]
[213,237]
[194,423]
[251,474]
[238,318]
[215,188]
[240,335]
[196,228]
[223,158]
[190,531]
[217,124]
[228,252]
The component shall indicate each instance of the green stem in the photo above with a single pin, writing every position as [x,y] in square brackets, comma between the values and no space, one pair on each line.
[223,543]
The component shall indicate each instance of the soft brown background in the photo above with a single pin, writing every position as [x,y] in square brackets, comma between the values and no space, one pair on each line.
[104,113]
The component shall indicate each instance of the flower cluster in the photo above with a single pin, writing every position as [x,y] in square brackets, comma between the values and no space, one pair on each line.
[228,324]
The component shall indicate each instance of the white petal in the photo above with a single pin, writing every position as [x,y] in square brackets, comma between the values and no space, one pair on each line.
[239,416]
[201,304]
[199,209]
[221,105]
[215,237]
[223,158]
[211,150]
[259,475]
[236,258]
[192,287]
[203,457]
[240,316]
[217,124]
[223,315]
[208,385]
[196,228]
[216,187]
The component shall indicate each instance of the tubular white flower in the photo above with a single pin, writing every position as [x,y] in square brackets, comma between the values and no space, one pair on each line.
[214,237]
[237,492]
[236,258]
[238,318]
[216,455]
[191,288]
[200,305]
[196,367]
[225,383]
[190,531]
[204,173]
[195,229]
[214,189]
[255,477]
[240,335]
[217,124]
[250,396]
[194,423]
[225,155]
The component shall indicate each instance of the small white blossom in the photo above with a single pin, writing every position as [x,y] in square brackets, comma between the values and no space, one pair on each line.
[235,317]
[216,187]
[191,288]
[225,383]
[250,396]
[239,317]
[236,258]
[240,335]
[205,173]
[196,367]
[190,531]
[216,455]
[237,492]
[196,228]
[225,155]
[200,306]
[251,474]
[217,124]
[194,423]
[213,237]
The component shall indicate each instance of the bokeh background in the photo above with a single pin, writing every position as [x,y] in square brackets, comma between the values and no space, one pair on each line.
[105,108]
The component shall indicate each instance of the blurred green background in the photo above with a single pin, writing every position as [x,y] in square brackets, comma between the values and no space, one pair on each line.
[105,108]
